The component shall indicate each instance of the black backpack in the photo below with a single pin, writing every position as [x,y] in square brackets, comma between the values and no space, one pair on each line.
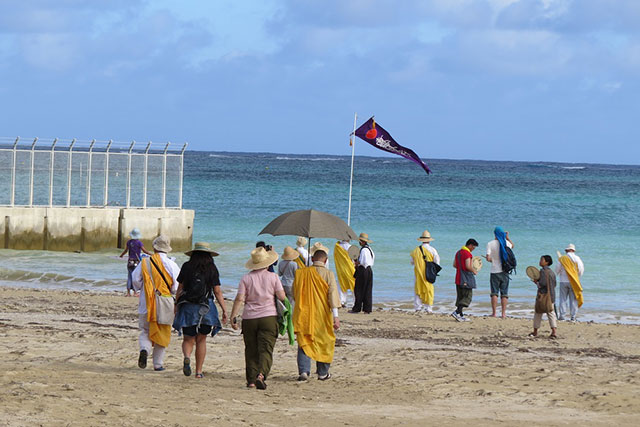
[509,266]
[196,289]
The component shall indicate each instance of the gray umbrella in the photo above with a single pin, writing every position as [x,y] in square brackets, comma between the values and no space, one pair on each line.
[310,223]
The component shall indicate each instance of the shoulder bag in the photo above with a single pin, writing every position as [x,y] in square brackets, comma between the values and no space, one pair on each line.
[431,269]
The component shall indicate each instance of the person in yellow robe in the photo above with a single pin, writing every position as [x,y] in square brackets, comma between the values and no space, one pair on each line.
[423,298]
[570,269]
[148,273]
[315,316]
[345,268]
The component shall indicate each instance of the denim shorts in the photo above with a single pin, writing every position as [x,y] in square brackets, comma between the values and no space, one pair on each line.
[500,284]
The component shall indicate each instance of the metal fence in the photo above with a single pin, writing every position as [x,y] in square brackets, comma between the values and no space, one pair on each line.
[74,173]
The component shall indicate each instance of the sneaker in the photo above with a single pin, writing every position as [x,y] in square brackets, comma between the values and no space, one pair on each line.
[303,376]
[464,318]
[142,359]
[324,378]
[456,316]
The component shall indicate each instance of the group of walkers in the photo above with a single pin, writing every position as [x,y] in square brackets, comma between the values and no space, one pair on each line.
[500,254]
[303,297]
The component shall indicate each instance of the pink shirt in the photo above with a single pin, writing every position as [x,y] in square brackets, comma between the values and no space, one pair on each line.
[259,288]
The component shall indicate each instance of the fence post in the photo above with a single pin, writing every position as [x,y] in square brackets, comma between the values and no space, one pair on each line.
[93,141]
[13,172]
[129,173]
[53,146]
[69,164]
[184,147]
[146,171]
[33,153]
[106,174]
[164,175]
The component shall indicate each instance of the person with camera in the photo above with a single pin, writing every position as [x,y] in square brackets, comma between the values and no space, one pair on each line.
[267,248]
[197,316]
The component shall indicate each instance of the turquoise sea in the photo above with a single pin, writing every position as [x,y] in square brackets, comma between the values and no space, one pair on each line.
[544,206]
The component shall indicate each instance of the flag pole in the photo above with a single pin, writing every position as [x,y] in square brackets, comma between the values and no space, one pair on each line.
[353,152]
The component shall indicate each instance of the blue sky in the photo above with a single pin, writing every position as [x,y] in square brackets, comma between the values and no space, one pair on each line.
[551,80]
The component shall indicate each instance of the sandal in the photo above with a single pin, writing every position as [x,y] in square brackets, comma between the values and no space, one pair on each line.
[199,375]
[326,377]
[251,385]
[142,359]
[186,367]
[553,337]
[260,384]
[532,335]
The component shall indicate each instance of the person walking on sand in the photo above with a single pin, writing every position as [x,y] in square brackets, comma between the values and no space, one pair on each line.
[134,246]
[258,290]
[465,279]
[303,259]
[419,258]
[161,273]
[569,271]
[287,270]
[197,316]
[363,290]
[499,279]
[315,316]
[344,269]
[546,282]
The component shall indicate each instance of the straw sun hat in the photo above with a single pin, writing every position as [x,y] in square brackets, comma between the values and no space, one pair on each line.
[476,263]
[301,241]
[354,252]
[290,254]
[261,258]
[426,236]
[365,238]
[162,244]
[202,247]
[319,247]
[570,247]
[135,233]
[533,273]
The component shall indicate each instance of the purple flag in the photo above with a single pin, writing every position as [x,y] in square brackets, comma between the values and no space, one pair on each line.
[375,135]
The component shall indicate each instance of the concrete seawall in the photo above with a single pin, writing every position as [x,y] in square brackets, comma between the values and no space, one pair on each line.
[91,229]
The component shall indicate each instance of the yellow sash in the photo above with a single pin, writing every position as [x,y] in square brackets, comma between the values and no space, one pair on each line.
[300,262]
[312,317]
[344,268]
[158,334]
[423,288]
[574,277]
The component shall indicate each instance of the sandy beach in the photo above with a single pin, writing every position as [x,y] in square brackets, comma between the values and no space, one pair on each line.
[69,358]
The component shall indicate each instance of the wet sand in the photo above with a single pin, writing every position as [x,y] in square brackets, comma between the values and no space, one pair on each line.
[70,358]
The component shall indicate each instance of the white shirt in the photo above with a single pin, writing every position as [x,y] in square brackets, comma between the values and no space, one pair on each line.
[136,277]
[432,250]
[493,251]
[367,257]
[562,273]
[305,255]
[345,245]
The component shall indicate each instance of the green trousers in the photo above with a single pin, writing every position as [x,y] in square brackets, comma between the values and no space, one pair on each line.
[259,339]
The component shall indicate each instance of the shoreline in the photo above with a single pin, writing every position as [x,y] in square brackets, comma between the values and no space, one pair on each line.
[69,357]
[480,306]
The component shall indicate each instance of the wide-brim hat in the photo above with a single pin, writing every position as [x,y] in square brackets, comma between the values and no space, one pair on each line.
[202,247]
[301,241]
[476,263]
[290,254]
[261,258]
[426,236]
[364,237]
[135,233]
[354,252]
[570,247]
[533,273]
[162,244]
[319,247]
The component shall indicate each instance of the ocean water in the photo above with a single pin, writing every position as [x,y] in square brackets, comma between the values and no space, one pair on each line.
[544,206]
